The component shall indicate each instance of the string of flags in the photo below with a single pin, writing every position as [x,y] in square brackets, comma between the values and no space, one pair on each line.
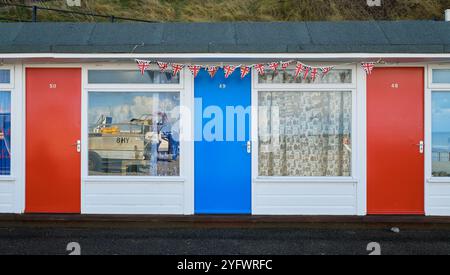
[301,69]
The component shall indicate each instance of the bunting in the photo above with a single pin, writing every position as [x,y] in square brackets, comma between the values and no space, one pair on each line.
[195,69]
[228,70]
[162,66]
[368,67]
[212,70]
[143,65]
[259,68]
[300,69]
[245,70]
[176,68]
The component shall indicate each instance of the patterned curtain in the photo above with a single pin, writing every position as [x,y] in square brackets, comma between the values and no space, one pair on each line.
[305,133]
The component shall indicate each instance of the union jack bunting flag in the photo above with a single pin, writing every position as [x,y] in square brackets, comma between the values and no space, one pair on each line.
[228,70]
[162,66]
[314,72]
[176,68]
[259,68]
[306,70]
[325,70]
[284,65]
[195,69]
[274,66]
[298,69]
[143,65]
[368,67]
[212,70]
[244,70]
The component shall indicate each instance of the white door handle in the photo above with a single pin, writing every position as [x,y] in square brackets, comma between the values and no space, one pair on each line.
[249,147]
[78,145]
[421,146]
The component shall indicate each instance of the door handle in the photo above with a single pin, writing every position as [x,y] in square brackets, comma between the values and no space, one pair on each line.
[249,147]
[78,145]
[421,146]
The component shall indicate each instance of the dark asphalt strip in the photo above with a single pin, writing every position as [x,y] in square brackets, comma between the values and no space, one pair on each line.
[223,241]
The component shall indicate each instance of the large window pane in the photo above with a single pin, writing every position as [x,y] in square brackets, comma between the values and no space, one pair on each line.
[336,76]
[5,76]
[5,133]
[441,76]
[441,134]
[305,133]
[134,133]
[131,77]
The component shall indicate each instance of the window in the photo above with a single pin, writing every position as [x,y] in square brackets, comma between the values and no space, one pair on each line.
[440,133]
[5,76]
[134,133]
[441,76]
[305,133]
[335,76]
[131,76]
[5,133]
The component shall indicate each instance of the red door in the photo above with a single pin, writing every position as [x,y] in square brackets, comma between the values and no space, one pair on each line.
[53,121]
[395,163]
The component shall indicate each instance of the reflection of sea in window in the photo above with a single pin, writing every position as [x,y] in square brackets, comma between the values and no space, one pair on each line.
[134,133]
[5,133]
[441,134]
[305,133]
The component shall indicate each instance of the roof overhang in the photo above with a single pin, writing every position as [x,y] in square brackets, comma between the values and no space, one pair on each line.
[226,57]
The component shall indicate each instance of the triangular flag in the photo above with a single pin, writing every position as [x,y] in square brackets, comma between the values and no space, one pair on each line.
[259,68]
[245,70]
[274,66]
[195,69]
[306,70]
[212,70]
[162,66]
[298,69]
[228,70]
[143,65]
[368,67]
[326,70]
[285,65]
[314,74]
[176,68]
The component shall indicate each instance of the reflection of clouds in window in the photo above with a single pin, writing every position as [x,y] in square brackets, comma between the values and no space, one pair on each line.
[441,134]
[124,106]
[441,111]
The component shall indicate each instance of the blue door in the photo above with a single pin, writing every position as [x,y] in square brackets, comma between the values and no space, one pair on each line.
[222,157]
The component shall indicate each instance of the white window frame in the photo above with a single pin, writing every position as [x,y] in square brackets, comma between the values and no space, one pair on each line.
[10,87]
[305,87]
[431,88]
[179,88]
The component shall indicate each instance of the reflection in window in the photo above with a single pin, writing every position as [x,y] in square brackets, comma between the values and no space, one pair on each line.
[336,76]
[5,76]
[305,133]
[134,133]
[441,76]
[441,134]
[5,133]
[131,77]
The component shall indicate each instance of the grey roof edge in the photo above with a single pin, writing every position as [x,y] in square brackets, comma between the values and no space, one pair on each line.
[228,37]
